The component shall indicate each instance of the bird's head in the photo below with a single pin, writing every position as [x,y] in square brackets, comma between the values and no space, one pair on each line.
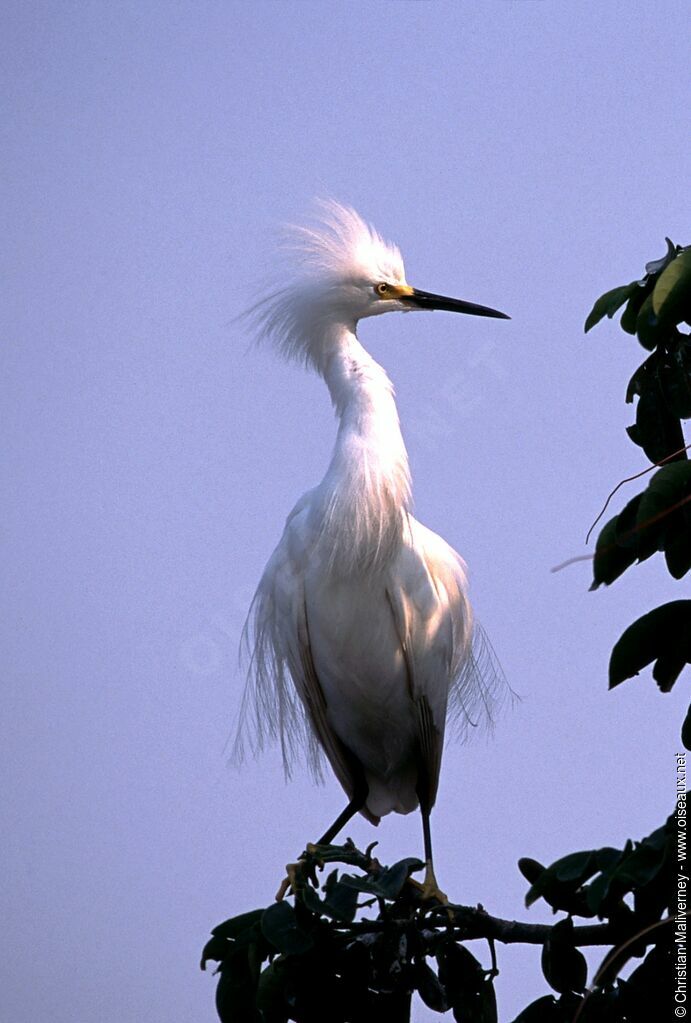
[347,272]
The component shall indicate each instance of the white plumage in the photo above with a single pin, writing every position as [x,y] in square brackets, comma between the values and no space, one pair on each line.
[361,629]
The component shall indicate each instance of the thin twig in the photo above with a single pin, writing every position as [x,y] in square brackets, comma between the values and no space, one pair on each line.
[616,952]
[625,536]
[629,479]
[572,561]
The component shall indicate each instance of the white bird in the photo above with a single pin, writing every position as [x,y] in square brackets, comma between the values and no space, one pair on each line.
[360,631]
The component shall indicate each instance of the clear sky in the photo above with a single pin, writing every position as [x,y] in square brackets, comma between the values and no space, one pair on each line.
[524,155]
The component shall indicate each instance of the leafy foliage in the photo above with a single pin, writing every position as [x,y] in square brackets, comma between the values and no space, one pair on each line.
[595,883]
[659,518]
[632,888]
[307,961]
[312,960]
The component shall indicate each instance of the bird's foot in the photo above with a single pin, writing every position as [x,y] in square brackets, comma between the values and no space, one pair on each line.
[300,873]
[287,885]
[429,889]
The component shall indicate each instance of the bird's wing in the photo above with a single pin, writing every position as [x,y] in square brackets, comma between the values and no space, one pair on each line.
[478,686]
[449,663]
[283,698]
[271,710]
[307,683]
[431,617]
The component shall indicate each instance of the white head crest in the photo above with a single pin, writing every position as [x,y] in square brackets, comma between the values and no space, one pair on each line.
[338,263]
[343,246]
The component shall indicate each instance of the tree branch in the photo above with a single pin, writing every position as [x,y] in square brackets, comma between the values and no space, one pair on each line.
[468,923]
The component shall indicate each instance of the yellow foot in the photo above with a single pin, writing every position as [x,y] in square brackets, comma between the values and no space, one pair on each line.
[287,885]
[429,889]
[298,873]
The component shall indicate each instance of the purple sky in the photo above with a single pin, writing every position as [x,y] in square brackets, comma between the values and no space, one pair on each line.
[523,155]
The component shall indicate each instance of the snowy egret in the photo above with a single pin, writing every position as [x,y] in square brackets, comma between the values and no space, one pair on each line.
[361,631]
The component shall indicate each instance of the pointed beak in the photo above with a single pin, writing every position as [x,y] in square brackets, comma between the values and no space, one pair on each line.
[426,300]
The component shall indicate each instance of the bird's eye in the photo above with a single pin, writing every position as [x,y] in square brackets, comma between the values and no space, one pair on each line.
[382,288]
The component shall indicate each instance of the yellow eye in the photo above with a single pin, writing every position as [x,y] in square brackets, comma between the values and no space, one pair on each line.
[382,289]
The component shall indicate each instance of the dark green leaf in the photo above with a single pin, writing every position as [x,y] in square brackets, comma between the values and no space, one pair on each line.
[664,519]
[392,879]
[633,308]
[678,542]
[479,1006]
[607,857]
[661,837]
[459,972]
[576,867]
[531,869]
[596,893]
[216,949]
[663,634]
[563,965]
[632,531]
[625,533]
[672,292]
[544,1010]
[686,730]
[544,887]
[657,430]
[559,884]
[280,928]
[429,987]
[656,266]
[311,900]
[608,304]
[271,991]
[642,864]
[667,487]
[610,559]
[234,927]
[655,895]
[648,329]
[388,883]
[368,885]
[235,993]
[675,377]
[487,1003]
[340,902]
[641,379]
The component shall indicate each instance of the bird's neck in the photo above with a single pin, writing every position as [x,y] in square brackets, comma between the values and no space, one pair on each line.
[366,491]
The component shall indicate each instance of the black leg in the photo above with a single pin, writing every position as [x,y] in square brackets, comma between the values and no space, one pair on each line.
[360,793]
[430,888]
[426,832]
[359,798]
[355,804]
[426,803]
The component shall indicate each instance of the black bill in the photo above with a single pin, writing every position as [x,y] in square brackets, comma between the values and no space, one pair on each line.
[426,300]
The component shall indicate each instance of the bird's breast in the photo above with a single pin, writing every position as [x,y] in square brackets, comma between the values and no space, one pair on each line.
[379,642]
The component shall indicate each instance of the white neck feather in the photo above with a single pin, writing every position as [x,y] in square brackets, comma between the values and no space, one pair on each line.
[366,491]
